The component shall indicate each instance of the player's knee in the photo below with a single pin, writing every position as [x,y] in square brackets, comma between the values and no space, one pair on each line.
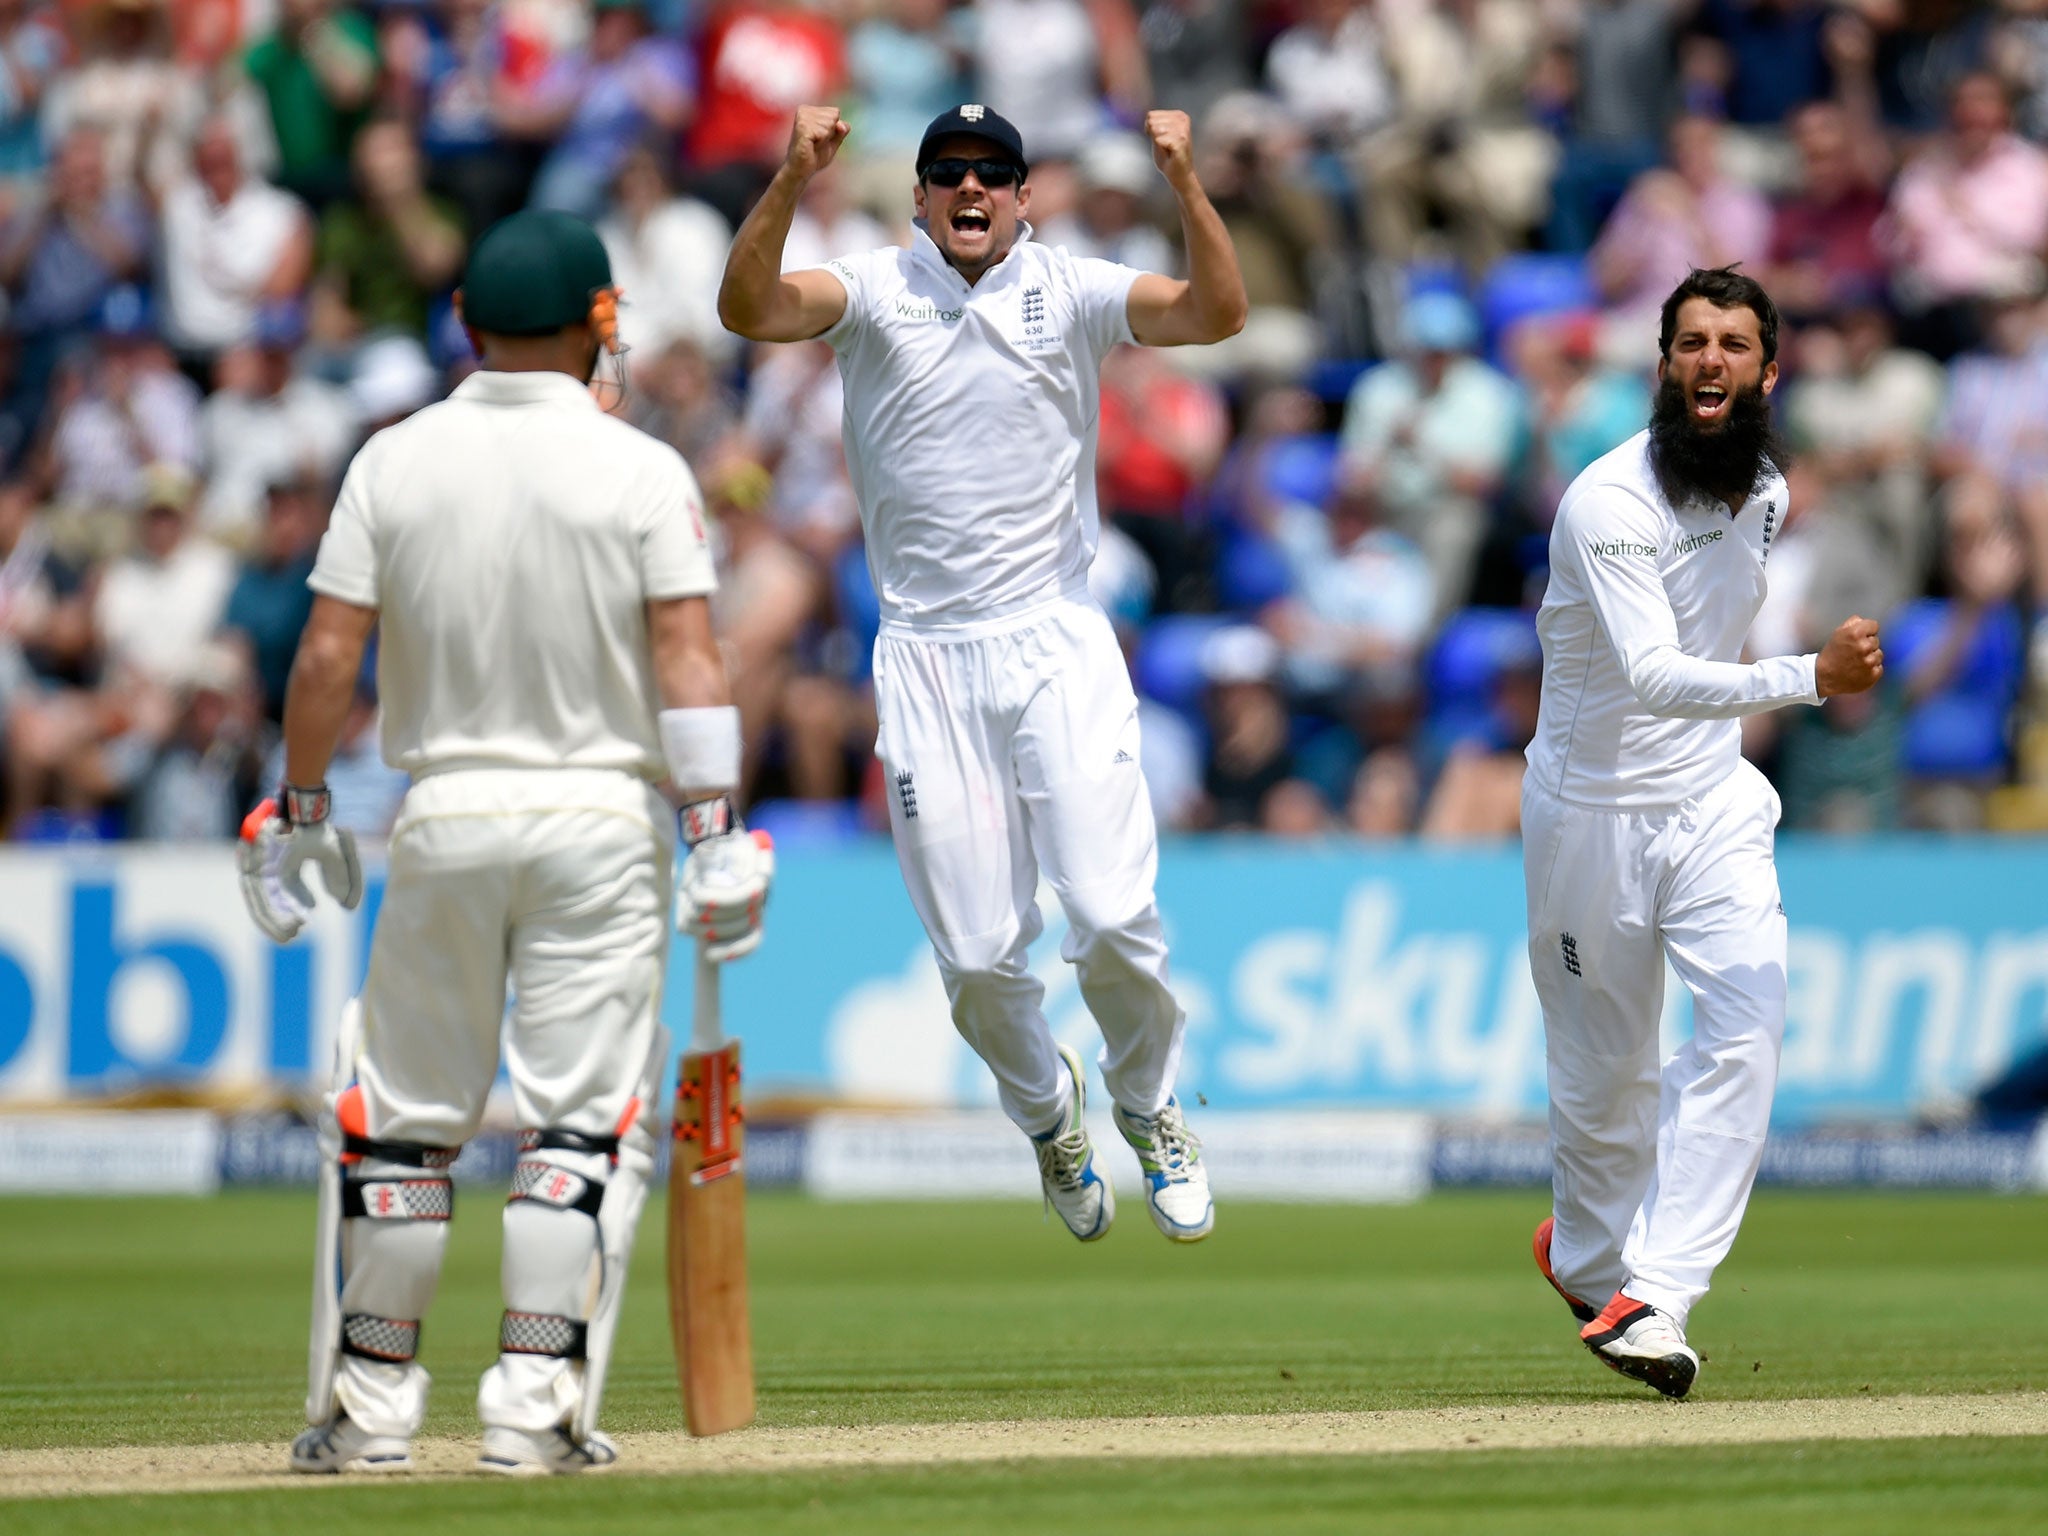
[1109,919]
[981,962]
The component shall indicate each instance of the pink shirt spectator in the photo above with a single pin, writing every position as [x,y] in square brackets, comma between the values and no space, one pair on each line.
[1958,231]
[1665,226]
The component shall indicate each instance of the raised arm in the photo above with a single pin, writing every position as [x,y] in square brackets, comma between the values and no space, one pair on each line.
[757,299]
[1209,304]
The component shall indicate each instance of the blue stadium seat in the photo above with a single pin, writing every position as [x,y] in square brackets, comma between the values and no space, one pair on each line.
[1472,651]
[1960,732]
[1300,468]
[1250,571]
[1331,379]
[1168,666]
[1531,283]
[807,823]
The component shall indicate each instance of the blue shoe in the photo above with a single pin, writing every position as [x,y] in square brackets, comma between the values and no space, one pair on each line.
[1176,1183]
[1066,1167]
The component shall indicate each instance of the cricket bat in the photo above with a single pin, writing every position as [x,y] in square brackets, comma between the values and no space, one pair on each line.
[707,1226]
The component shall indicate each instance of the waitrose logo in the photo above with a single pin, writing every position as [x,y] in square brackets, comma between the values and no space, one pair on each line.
[1611,549]
[925,309]
[1699,540]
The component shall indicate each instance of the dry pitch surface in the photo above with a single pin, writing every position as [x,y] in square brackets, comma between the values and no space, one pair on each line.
[151,1469]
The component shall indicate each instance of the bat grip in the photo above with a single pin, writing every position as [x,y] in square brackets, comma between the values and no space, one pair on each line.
[707,1032]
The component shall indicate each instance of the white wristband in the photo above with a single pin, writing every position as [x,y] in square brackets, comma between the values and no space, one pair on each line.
[702,747]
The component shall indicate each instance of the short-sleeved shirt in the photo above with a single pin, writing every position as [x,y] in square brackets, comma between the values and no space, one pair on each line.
[970,424]
[510,538]
[1643,627]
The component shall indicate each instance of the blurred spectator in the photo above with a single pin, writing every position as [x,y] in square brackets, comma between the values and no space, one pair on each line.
[1195,52]
[1286,239]
[159,604]
[196,784]
[1249,752]
[451,77]
[384,255]
[678,397]
[1671,221]
[1328,73]
[625,88]
[45,617]
[1621,92]
[1116,178]
[1054,66]
[230,241]
[64,253]
[1824,236]
[31,52]
[1160,435]
[1863,413]
[1478,792]
[667,255]
[1578,407]
[270,601]
[792,422]
[1431,437]
[392,377]
[904,60]
[266,422]
[118,411]
[1363,598]
[1994,434]
[760,61]
[1769,53]
[1464,153]
[1385,794]
[1968,220]
[130,89]
[1169,749]
[827,225]
[2019,50]
[367,794]
[316,72]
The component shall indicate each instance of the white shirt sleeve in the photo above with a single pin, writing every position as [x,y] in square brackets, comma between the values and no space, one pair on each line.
[852,272]
[675,556]
[346,567]
[1102,293]
[1614,542]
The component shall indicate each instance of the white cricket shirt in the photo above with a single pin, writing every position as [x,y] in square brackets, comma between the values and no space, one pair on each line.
[510,538]
[1642,629]
[970,424]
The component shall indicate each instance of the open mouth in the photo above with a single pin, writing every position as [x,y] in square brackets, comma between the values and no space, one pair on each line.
[1709,401]
[969,221]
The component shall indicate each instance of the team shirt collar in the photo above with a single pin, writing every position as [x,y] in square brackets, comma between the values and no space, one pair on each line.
[485,387]
[925,251]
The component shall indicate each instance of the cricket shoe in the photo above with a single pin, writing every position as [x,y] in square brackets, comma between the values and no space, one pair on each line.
[551,1453]
[1066,1167]
[1176,1183]
[1584,1311]
[342,1445]
[1637,1340]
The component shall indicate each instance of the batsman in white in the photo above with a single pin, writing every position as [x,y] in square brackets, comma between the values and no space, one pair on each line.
[1645,834]
[539,571]
[1009,731]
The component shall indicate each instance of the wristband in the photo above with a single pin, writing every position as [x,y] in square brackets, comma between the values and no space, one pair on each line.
[305,807]
[707,818]
[702,748]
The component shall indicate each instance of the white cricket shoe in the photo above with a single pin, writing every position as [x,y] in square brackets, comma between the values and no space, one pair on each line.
[1176,1183]
[554,1452]
[1637,1340]
[1066,1167]
[342,1445]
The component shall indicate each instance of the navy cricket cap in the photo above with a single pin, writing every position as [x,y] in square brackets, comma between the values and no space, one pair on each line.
[532,273]
[980,121]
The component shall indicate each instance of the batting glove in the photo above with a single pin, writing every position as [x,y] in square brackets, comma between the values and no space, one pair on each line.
[724,883]
[279,839]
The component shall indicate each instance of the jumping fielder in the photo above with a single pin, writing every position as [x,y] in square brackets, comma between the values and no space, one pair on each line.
[1645,834]
[546,656]
[1009,731]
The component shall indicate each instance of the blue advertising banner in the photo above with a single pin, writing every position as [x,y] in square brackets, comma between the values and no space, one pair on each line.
[1341,976]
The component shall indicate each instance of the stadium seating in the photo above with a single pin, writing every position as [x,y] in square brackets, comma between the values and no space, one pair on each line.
[1959,732]
[1471,654]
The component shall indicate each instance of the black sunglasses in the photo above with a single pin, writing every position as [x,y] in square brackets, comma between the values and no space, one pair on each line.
[951,172]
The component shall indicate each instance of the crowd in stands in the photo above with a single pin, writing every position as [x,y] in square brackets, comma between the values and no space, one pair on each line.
[229,230]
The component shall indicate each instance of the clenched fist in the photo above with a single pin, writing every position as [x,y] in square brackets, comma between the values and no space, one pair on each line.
[1172,145]
[1851,661]
[814,139]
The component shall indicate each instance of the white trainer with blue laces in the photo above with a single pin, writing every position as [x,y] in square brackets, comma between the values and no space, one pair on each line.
[342,1445]
[1066,1166]
[1176,1182]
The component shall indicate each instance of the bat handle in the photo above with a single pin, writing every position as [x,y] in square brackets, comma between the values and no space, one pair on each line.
[707,1031]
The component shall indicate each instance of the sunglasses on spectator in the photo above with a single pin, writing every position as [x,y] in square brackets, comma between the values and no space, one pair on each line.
[951,172]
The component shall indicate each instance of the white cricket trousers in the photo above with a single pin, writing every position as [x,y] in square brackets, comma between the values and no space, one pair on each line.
[1651,1177]
[1011,748]
[556,882]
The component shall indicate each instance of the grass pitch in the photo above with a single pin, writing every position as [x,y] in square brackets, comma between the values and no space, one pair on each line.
[183,1323]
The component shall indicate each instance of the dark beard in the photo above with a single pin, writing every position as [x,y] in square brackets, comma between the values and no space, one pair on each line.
[1731,463]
